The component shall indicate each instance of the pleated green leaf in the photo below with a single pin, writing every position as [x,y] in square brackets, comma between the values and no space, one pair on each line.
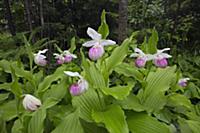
[194,126]
[113,118]
[153,97]
[117,55]
[129,71]
[143,123]
[70,124]
[46,83]
[87,102]
[118,92]
[103,28]
[131,103]
[152,42]
[36,124]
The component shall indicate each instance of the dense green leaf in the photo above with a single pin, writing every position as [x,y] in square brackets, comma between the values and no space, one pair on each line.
[113,118]
[143,123]
[131,103]
[46,83]
[152,43]
[70,124]
[8,110]
[103,28]
[178,100]
[73,45]
[117,55]
[129,71]
[17,127]
[118,92]
[91,100]
[194,126]
[36,123]
[3,96]
[153,97]
[2,125]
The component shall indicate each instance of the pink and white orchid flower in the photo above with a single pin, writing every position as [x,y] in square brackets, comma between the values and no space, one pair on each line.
[68,56]
[59,58]
[40,59]
[183,82]
[31,103]
[97,44]
[142,58]
[160,58]
[77,88]
[64,57]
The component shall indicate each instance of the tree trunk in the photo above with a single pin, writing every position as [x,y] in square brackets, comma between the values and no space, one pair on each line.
[8,16]
[41,16]
[27,5]
[123,18]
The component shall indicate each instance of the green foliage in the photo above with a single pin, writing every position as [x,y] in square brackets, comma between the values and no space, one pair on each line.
[114,123]
[120,97]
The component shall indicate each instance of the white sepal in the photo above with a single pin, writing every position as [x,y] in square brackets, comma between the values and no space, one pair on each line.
[93,34]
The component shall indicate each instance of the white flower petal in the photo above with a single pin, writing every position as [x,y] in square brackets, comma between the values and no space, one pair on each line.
[162,50]
[73,74]
[42,51]
[73,55]
[134,55]
[137,50]
[107,42]
[90,43]
[93,34]
[164,55]
[150,57]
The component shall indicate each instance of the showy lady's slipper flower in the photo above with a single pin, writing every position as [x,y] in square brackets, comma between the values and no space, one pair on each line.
[31,103]
[40,59]
[97,44]
[59,58]
[142,58]
[68,56]
[160,58]
[65,57]
[77,88]
[183,82]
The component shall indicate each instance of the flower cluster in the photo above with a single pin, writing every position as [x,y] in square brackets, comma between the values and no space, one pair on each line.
[79,87]
[97,44]
[159,58]
[64,57]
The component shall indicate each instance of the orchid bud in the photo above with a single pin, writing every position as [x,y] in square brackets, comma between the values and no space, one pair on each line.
[75,89]
[161,62]
[140,62]
[31,103]
[96,52]
[40,59]
[68,58]
[60,61]
[183,82]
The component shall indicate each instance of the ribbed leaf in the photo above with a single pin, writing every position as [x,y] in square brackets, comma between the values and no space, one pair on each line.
[129,71]
[55,93]
[17,127]
[152,43]
[8,110]
[45,84]
[103,28]
[113,118]
[87,102]
[194,126]
[118,92]
[178,100]
[36,123]
[142,123]
[117,55]
[70,124]
[131,103]
[158,82]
